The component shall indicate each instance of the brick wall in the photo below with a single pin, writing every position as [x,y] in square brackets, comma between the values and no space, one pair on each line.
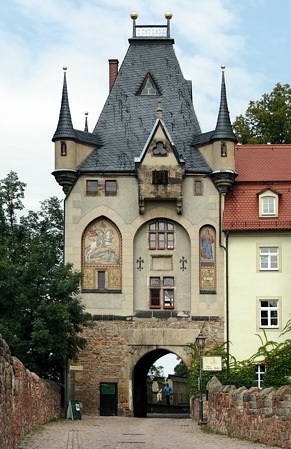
[257,415]
[25,399]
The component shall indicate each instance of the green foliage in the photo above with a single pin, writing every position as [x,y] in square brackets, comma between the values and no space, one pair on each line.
[276,356]
[267,120]
[41,315]
[181,369]
[156,371]
[239,373]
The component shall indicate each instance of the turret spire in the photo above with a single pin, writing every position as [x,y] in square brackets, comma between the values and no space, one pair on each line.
[65,128]
[223,128]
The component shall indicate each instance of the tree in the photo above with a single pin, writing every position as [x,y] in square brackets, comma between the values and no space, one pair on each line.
[156,371]
[181,369]
[41,314]
[267,120]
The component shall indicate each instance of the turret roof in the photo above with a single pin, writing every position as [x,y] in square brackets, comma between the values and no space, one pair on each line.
[65,126]
[223,128]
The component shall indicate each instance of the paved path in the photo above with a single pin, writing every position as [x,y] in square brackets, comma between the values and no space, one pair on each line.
[101,432]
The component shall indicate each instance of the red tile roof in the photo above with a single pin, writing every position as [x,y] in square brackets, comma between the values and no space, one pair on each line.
[259,167]
[263,162]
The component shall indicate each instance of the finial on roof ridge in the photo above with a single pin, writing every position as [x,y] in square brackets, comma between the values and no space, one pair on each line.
[159,110]
[86,121]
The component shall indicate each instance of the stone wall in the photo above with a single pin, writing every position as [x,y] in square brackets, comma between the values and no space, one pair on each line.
[257,415]
[115,347]
[25,399]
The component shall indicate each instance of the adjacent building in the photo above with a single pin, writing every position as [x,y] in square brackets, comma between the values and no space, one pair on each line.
[257,225]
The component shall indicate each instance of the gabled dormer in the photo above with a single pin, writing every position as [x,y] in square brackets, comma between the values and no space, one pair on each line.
[160,169]
[268,203]
[148,86]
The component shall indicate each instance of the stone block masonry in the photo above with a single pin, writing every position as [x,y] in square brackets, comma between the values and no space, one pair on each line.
[25,399]
[258,415]
[116,348]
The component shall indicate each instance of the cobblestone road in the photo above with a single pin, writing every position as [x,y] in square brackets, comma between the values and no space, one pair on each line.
[129,433]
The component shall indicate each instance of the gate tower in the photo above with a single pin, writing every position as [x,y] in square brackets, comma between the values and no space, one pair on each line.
[144,193]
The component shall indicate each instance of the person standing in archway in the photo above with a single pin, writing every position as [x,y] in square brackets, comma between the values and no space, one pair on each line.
[168,392]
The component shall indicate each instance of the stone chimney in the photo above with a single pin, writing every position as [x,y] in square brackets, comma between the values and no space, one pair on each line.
[113,71]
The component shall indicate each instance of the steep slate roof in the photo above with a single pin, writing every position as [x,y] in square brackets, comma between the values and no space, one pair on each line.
[259,167]
[127,118]
[223,129]
[65,129]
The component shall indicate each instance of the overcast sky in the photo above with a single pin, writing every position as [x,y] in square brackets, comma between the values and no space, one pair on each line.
[37,38]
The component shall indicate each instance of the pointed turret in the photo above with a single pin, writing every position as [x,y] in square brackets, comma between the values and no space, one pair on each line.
[223,130]
[65,128]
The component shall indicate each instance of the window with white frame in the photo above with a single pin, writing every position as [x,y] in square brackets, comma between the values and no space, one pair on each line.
[161,292]
[269,258]
[269,313]
[268,204]
[260,372]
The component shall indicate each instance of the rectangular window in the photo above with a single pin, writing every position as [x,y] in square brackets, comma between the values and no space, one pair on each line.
[168,298]
[91,187]
[161,240]
[110,188]
[168,282]
[269,258]
[197,187]
[155,298]
[152,240]
[269,313]
[63,148]
[260,372]
[159,177]
[101,280]
[160,290]
[268,205]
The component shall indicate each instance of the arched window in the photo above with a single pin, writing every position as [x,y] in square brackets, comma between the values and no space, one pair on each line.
[101,257]
[207,240]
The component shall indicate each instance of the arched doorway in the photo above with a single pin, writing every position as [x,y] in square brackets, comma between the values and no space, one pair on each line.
[140,380]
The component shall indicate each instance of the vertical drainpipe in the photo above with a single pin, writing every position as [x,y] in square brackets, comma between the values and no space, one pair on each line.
[226,282]
[66,362]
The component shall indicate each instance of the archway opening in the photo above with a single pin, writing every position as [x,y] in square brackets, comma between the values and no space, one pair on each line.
[146,386]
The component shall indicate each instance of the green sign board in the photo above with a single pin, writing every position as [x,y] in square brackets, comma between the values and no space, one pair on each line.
[107,388]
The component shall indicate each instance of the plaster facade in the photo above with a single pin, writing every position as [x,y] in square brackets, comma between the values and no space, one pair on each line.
[244,313]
